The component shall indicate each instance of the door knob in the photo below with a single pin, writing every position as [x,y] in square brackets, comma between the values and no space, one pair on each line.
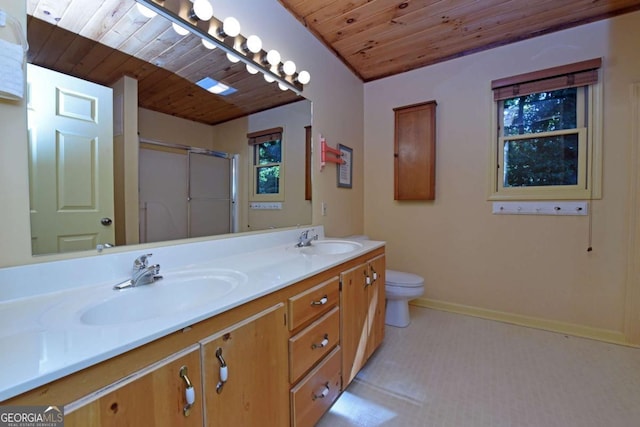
[106,221]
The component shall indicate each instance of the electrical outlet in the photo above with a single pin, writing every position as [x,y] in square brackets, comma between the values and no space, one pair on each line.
[324,208]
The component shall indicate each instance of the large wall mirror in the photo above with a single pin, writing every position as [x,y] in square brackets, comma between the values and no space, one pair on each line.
[117,120]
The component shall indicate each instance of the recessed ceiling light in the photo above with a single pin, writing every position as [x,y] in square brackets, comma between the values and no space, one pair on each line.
[215,86]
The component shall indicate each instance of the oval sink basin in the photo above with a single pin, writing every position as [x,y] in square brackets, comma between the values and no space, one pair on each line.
[330,247]
[174,293]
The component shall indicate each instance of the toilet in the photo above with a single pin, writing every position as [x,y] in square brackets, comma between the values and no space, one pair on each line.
[400,287]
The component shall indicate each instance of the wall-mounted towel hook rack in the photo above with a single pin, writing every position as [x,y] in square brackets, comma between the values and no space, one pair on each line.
[327,153]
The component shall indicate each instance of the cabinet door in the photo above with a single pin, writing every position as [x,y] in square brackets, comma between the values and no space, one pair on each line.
[154,397]
[415,152]
[257,389]
[376,303]
[353,303]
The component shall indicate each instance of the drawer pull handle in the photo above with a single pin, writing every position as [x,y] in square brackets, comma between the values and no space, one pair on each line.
[322,344]
[189,393]
[323,394]
[375,274]
[224,371]
[322,301]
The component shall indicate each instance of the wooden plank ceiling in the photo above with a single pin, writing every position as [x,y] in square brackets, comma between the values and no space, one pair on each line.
[102,40]
[379,38]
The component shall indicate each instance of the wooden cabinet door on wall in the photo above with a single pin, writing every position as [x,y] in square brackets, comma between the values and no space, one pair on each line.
[415,152]
[154,396]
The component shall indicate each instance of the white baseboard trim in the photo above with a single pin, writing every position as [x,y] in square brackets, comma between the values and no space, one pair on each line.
[605,335]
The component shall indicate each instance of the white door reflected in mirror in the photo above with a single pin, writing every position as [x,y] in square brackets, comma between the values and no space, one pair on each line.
[71,162]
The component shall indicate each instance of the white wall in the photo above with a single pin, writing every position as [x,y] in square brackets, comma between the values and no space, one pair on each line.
[529,266]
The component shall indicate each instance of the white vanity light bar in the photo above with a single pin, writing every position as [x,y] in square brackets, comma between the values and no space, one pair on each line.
[176,19]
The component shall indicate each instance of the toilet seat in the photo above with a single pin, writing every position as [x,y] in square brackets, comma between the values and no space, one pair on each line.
[402,279]
[400,287]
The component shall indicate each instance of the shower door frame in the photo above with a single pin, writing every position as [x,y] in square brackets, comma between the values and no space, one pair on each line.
[233,159]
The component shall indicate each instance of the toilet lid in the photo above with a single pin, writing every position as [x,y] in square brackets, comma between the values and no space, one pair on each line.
[400,278]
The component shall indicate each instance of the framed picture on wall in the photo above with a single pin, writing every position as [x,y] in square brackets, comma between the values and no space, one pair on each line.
[345,170]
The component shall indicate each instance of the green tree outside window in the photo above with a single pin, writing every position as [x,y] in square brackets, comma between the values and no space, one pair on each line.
[544,160]
[268,161]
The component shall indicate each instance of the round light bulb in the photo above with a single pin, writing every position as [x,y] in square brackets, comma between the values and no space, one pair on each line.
[231,26]
[254,44]
[145,11]
[304,77]
[179,29]
[269,79]
[251,69]
[232,58]
[208,44]
[203,9]
[282,87]
[289,67]
[273,57]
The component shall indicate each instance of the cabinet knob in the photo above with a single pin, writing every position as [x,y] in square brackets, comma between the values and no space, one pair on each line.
[224,371]
[367,278]
[374,274]
[324,393]
[322,301]
[189,393]
[323,343]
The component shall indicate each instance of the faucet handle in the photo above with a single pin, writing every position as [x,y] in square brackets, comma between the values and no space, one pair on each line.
[141,262]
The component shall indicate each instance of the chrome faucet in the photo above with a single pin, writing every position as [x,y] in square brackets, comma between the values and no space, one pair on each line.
[141,274]
[305,240]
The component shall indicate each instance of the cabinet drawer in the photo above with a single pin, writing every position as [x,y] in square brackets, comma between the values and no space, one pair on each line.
[310,345]
[311,398]
[313,302]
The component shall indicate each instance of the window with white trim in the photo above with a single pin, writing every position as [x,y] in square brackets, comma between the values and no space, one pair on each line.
[547,141]
[267,165]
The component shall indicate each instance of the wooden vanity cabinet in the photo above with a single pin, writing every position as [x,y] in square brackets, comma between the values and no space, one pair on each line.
[154,396]
[315,393]
[289,355]
[254,351]
[362,307]
[313,343]
[313,302]
[256,383]
[376,303]
[315,369]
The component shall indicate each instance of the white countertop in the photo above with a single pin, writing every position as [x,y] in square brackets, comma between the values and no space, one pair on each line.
[41,335]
